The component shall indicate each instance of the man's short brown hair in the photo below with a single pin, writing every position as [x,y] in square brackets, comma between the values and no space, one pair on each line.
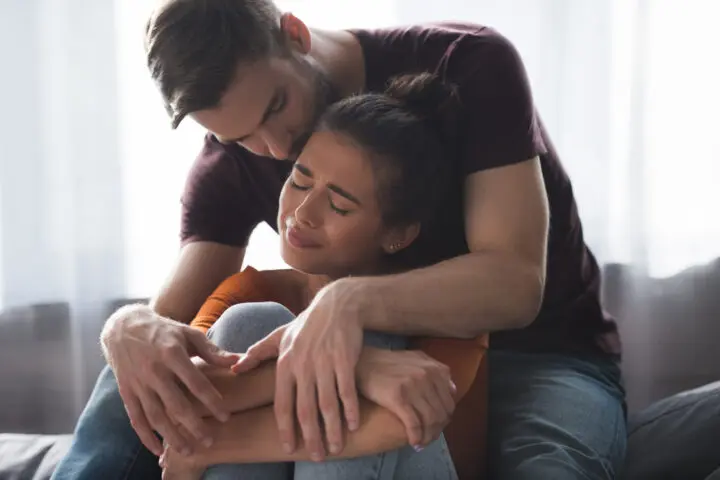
[194,47]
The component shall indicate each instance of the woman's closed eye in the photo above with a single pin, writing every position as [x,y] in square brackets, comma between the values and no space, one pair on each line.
[297,186]
[305,188]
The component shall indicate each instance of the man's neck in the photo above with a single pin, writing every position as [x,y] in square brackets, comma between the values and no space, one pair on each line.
[340,54]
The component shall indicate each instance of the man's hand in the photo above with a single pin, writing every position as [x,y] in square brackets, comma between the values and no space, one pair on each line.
[150,356]
[413,386]
[317,354]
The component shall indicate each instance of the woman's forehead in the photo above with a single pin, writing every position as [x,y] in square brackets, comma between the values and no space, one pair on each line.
[334,158]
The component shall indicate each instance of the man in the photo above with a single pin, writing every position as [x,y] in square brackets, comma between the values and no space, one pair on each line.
[256,79]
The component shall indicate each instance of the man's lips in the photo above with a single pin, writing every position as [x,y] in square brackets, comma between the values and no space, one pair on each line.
[298,239]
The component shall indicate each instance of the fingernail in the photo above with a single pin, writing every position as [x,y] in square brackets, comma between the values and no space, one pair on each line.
[334,448]
[453,386]
[353,425]
[418,448]
[185,451]
[224,417]
[316,457]
[287,448]
[207,442]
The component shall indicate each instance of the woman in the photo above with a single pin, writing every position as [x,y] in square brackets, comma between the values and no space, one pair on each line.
[367,196]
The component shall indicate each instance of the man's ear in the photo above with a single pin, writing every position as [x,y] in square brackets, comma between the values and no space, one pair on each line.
[400,238]
[296,33]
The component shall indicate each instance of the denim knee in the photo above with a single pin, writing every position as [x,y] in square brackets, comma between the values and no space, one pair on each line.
[246,323]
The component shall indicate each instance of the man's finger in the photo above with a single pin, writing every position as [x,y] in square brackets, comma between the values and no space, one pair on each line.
[140,424]
[266,349]
[307,414]
[182,413]
[199,385]
[161,423]
[329,407]
[210,352]
[284,407]
[347,390]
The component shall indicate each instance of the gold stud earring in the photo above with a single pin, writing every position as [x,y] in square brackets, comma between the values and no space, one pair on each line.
[394,246]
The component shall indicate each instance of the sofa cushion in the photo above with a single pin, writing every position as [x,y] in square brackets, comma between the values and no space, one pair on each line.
[676,437]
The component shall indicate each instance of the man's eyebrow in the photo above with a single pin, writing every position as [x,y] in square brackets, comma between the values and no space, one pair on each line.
[343,193]
[266,115]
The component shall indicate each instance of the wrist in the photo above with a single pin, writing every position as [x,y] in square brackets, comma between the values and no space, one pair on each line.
[116,321]
[358,298]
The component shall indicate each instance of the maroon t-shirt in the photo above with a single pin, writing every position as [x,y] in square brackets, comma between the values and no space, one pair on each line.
[229,190]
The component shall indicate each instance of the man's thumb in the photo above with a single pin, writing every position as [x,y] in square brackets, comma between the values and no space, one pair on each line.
[210,352]
[265,349]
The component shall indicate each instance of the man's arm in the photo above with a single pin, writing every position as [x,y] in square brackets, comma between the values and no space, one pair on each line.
[498,286]
[200,268]
[148,349]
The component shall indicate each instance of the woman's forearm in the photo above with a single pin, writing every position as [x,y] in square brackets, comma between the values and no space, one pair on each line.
[244,391]
[252,437]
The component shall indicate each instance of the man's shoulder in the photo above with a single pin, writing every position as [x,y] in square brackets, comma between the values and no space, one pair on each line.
[454,49]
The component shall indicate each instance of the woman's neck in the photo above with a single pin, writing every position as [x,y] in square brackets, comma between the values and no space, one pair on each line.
[313,285]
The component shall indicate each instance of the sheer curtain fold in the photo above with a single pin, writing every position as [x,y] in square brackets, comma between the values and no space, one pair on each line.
[91,174]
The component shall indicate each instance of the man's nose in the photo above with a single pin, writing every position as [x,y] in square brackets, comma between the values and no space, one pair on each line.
[278,144]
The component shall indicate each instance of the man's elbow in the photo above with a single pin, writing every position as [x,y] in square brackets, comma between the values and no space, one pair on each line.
[530,293]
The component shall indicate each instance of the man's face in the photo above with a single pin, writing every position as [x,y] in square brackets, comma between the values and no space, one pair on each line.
[270,107]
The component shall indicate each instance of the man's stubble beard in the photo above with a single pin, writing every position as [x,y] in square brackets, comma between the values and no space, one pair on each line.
[324,93]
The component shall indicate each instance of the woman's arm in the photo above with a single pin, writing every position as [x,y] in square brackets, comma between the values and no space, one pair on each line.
[244,391]
[251,437]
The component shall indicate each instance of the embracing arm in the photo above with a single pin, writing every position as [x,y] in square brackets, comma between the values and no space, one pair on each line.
[497,286]
[201,266]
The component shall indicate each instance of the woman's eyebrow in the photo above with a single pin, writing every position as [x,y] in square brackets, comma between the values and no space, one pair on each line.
[344,193]
[339,190]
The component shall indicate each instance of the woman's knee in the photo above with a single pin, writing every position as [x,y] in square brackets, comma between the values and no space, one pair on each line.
[244,324]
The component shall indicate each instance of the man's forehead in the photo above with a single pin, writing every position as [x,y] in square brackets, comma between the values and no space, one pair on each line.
[253,84]
[243,105]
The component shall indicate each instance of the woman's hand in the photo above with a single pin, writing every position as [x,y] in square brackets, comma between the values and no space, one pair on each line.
[317,354]
[150,357]
[413,386]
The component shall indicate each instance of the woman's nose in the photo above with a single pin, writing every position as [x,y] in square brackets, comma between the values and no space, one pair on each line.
[307,213]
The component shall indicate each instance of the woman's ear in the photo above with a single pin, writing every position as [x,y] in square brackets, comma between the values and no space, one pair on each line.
[296,33]
[400,238]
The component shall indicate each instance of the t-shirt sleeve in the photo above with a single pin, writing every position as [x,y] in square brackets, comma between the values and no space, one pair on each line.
[498,115]
[217,203]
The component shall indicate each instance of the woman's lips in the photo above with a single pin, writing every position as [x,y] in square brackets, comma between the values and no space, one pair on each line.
[298,239]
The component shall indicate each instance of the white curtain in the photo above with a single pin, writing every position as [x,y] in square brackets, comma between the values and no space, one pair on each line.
[91,174]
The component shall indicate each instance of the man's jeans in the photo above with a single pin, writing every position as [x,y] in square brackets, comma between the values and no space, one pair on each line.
[551,416]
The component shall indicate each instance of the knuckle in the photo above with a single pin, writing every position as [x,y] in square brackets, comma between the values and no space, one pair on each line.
[171,351]
[303,414]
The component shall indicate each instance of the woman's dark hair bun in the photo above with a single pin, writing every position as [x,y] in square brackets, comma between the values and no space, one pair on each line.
[429,97]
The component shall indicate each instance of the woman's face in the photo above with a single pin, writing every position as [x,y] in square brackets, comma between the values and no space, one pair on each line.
[329,219]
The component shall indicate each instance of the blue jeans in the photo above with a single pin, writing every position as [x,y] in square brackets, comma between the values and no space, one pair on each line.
[555,417]
[551,416]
